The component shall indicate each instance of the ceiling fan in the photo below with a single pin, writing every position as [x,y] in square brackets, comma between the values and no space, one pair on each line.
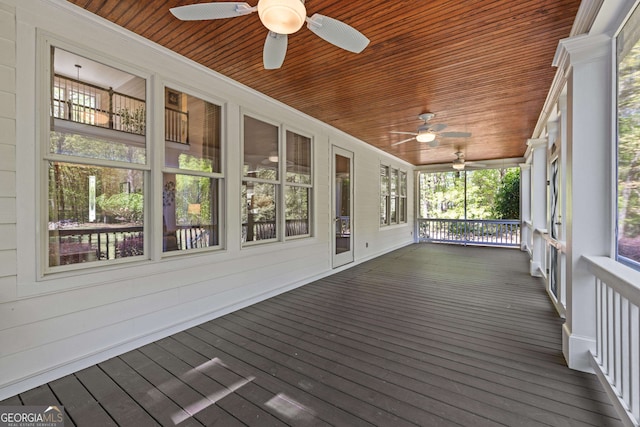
[459,163]
[428,132]
[281,17]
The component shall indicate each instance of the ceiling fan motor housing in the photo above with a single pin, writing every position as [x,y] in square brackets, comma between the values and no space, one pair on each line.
[282,16]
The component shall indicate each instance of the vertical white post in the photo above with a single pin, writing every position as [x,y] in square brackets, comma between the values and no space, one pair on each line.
[538,172]
[525,205]
[586,62]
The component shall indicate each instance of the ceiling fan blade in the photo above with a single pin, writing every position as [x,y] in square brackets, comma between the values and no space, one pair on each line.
[216,10]
[437,127]
[402,133]
[275,49]
[403,141]
[337,33]
[455,134]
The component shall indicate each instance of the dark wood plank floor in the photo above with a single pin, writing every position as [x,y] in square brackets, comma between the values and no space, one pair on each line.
[428,335]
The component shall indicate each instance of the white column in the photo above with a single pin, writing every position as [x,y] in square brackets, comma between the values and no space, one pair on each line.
[538,190]
[525,206]
[586,61]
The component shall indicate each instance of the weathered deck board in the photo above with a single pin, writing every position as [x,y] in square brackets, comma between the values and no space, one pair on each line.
[428,335]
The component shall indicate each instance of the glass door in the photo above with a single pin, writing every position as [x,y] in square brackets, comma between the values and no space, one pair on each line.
[342,190]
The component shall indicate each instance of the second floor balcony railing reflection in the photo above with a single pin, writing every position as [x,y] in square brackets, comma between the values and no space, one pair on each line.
[85,103]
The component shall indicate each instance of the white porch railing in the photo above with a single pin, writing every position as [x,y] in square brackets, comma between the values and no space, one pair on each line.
[493,232]
[616,359]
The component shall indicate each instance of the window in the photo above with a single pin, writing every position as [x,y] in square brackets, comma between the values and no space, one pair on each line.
[628,156]
[95,162]
[393,196]
[276,189]
[192,175]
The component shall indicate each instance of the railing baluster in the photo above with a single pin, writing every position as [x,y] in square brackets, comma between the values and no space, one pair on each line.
[482,232]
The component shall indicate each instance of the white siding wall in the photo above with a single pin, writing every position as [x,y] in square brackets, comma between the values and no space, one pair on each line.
[8,241]
[56,325]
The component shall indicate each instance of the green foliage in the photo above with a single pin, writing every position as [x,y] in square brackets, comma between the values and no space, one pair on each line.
[507,200]
[128,207]
[488,193]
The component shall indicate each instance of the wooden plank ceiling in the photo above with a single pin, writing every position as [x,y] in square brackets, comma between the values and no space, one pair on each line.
[481,66]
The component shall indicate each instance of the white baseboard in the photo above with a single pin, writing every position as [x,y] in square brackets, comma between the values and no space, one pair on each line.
[577,350]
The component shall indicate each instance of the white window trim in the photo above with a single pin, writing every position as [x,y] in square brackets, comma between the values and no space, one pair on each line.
[45,42]
[160,166]
[281,183]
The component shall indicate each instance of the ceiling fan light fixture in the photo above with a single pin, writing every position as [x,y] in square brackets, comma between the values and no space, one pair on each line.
[425,136]
[282,16]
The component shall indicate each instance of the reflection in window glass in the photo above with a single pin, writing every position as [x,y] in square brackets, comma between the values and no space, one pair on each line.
[297,211]
[97,111]
[190,212]
[384,195]
[261,155]
[402,208]
[95,213]
[298,158]
[192,132]
[190,200]
[259,219]
[393,208]
[95,206]
[628,227]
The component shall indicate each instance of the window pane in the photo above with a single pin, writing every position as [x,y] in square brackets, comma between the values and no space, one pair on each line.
[258,211]
[192,132]
[297,210]
[394,182]
[384,203]
[394,210]
[261,154]
[190,212]
[403,183]
[97,111]
[94,213]
[384,195]
[402,209]
[298,158]
[384,180]
[629,141]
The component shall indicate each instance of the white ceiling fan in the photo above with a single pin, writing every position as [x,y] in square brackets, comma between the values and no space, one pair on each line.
[281,17]
[429,132]
[459,163]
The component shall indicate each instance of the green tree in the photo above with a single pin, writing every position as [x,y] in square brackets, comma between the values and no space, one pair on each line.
[128,207]
[507,200]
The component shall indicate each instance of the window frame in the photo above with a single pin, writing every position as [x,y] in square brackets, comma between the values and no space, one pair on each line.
[219,177]
[309,186]
[633,18]
[390,197]
[281,184]
[44,73]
